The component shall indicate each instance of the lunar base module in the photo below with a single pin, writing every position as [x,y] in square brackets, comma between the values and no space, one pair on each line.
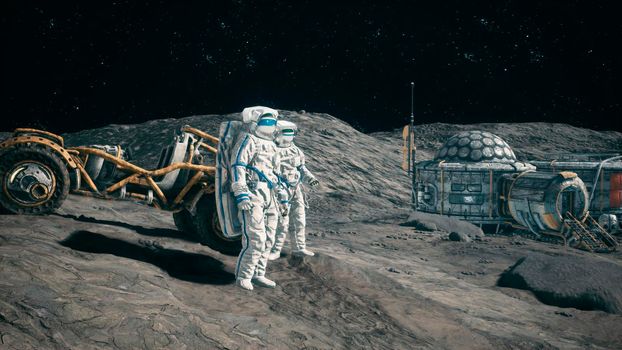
[475,176]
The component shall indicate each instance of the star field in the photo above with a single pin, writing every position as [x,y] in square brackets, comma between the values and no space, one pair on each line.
[78,65]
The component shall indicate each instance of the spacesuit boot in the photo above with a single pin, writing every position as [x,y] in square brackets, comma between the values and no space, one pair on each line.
[293,172]
[274,255]
[253,183]
[244,283]
[303,252]
[263,281]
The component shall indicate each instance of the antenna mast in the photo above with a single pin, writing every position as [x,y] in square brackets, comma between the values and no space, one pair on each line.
[412,100]
[412,148]
[411,130]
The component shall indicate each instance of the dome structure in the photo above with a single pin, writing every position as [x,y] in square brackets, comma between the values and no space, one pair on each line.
[475,146]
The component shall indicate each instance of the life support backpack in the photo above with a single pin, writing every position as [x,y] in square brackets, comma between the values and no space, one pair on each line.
[230,133]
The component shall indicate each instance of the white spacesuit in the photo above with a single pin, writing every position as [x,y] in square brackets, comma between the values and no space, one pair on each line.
[293,173]
[254,184]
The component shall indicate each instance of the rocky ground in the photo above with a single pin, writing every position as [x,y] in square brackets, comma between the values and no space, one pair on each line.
[114,274]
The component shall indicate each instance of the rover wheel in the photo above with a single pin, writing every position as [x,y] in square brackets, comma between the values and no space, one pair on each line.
[34,180]
[208,229]
[183,221]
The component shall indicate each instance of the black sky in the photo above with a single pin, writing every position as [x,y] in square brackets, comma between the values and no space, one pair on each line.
[72,65]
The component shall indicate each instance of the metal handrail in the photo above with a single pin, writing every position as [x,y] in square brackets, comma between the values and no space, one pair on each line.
[600,167]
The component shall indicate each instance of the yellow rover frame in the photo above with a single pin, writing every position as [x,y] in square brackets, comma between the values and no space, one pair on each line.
[76,157]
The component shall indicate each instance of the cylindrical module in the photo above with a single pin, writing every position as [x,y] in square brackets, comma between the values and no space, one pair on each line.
[541,200]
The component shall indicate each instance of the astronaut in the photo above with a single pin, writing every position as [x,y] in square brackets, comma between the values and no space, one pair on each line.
[254,185]
[293,173]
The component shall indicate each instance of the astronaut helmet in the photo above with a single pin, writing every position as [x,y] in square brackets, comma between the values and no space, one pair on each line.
[262,121]
[265,126]
[285,133]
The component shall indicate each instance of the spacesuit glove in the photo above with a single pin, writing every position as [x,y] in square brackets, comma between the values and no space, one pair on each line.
[314,183]
[245,205]
[284,209]
[282,195]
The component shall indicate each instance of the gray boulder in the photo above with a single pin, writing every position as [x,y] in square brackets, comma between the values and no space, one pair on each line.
[421,220]
[586,283]
[459,237]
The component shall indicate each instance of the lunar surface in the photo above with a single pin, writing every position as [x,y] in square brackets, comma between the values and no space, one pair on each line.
[103,274]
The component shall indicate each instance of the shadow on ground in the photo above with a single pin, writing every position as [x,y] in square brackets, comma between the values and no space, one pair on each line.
[152,232]
[191,267]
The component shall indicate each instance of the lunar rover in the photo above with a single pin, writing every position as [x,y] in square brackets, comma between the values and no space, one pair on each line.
[475,176]
[37,173]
